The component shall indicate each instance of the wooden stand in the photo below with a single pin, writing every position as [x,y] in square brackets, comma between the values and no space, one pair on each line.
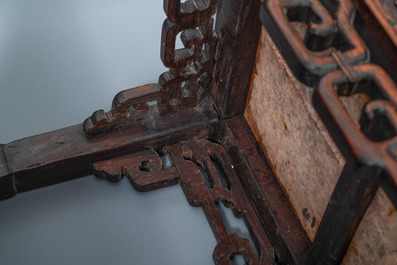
[195,116]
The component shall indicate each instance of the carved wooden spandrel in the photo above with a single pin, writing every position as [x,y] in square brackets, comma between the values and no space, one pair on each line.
[208,178]
[143,169]
[129,107]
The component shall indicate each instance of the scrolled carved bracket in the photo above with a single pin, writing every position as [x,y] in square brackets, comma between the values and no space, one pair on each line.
[208,179]
[143,169]
[128,107]
[188,81]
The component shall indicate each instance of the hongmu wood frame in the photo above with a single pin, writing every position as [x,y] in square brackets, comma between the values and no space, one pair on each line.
[203,96]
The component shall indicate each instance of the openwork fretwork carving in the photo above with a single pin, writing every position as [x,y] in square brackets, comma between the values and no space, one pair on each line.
[186,83]
[144,170]
[343,70]
[326,44]
[323,49]
[207,177]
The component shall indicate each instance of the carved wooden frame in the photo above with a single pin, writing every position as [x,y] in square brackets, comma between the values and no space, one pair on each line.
[195,116]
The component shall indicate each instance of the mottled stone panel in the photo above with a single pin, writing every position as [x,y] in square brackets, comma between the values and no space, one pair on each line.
[304,158]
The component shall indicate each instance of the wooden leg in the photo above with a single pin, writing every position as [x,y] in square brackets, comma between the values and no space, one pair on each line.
[351,198]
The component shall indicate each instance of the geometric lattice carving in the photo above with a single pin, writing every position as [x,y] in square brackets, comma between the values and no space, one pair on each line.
[329,54]
[186,83]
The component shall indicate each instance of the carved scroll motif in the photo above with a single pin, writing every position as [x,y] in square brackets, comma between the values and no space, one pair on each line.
[143,169]
[208,179]
[128,107]
[323,49]
[186,84]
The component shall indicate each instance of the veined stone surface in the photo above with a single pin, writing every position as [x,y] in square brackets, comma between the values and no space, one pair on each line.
[304,158]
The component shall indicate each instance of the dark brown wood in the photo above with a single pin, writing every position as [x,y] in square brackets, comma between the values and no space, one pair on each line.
[312,57]
[239,26]
[7,181]
[289,240]
[208,179]
[351,198]
[143,169]
[128,108]
[331,55]
[66,154]
[376,20]
[220,186]
[177,116]
[371,145]
[187,82]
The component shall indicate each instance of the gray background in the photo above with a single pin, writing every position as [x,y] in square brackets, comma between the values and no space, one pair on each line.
[60,61]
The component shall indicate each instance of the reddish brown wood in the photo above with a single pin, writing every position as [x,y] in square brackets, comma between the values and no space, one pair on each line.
[239,26]
[225,189]
[221,60]
[289,240]
[187,82]
[128,108]
[143,169]
[351,198]
[371,145]
[7,181]
[375,19]
[336,60]
[302,55]
[66,154]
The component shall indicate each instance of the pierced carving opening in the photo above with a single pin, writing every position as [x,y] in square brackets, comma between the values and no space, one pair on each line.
[178,41]
[373,121]
[144,166]
[175,102]
[152,103]
[303,18]
[165,159]
[235,222]
[220,171]
[189,6]
[238,260]
[166,163]
[202,82]
[302,14]
[377,126]
[185,89]
[214,21]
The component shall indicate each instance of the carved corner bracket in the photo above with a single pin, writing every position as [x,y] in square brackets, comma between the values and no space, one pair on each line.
[188,81]
[145,170]
[128,107]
